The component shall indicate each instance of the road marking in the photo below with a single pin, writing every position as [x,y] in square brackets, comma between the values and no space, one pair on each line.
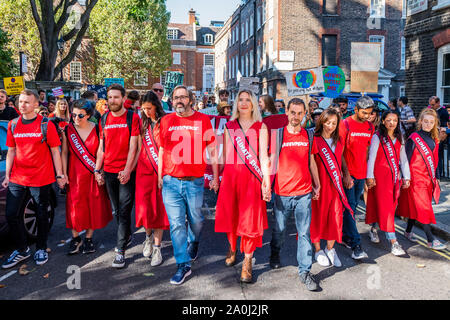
[9,274]
[420,240]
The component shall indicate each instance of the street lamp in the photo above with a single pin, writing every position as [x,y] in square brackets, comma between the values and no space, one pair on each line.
[60,44]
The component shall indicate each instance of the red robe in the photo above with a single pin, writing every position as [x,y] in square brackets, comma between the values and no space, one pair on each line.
[87,203]
[327,211]
[382,199]
[240,208]
[415,202]
[149,207]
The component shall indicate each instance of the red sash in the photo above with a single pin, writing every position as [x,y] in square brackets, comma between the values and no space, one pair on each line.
[334,171]
[151,149]
[79,148]
[243,149]
[430,162]
[393,162]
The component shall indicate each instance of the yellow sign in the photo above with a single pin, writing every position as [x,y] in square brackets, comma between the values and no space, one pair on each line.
[14,85]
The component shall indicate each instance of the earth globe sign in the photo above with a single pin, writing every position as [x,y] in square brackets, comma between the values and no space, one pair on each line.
[304,79]
[334,81]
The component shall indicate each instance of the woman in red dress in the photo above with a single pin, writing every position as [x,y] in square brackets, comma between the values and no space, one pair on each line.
[415,202]
[87,204]
[240,209]
[327,211]
[386,156]
[149,206]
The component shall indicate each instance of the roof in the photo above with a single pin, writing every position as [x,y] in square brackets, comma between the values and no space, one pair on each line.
[185,31]
[201,31]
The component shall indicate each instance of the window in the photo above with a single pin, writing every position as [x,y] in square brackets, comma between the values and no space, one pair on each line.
[208,38]
[251,72]
[172,33]
[329,49]
[270,51]
[377,8]
[402,91]
[330,7]
[176,58]
[258,18]
[264,56]
[246,29]
[236,66]
[229,69]
[403,9]
[258,59]
[140,78]
[251,25]
[263,12]
[403,54]
[379,39]
[242,68]
[75,71]
[441,4]
[443,75]
[208,60]
[247,64]
[242,32]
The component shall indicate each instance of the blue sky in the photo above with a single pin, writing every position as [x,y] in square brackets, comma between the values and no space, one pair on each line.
[207,9]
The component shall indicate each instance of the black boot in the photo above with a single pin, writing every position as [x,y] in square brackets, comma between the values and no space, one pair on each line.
[275,259]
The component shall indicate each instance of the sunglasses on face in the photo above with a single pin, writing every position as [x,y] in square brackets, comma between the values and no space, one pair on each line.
[158,90]
[80,116]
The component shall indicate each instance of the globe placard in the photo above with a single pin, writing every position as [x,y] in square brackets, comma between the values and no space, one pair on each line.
[304,82]
[334,81]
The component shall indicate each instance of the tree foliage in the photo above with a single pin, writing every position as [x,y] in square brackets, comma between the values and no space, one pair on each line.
[130,35]
[7,66]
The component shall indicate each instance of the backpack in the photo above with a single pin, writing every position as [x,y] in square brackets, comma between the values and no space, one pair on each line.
[103,119]
[44,126]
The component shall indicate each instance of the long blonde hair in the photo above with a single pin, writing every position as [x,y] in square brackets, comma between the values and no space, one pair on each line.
[256,114]
[58,112]
[430,112]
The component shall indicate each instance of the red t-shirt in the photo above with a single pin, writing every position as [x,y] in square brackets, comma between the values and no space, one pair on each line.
[117,141]
[184,140]
[33,163]
[356,142]
[293,176]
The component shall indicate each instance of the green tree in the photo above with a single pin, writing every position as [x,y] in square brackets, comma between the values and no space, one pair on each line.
[129,36]
[7,65]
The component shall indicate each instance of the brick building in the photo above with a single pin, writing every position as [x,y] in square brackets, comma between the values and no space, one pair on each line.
[268,38]
[427,34]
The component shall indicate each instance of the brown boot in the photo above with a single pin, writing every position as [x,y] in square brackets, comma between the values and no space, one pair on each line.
[231,258]
[246,274]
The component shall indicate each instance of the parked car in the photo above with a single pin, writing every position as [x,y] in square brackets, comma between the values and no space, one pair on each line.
[28,208]
[325,102]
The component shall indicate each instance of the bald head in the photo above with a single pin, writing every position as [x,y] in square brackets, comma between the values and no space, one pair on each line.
[158,89]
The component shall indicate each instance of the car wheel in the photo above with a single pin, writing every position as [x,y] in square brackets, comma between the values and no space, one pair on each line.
[29,217]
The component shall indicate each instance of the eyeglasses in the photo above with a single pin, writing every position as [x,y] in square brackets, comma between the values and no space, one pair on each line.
[80,116]
[180,97]
[158,90]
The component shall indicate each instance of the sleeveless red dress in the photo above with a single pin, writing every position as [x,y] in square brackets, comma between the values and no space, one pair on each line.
[240,208]
[382,199]
[327,211]
[416,201]
[87,203]
[149,207]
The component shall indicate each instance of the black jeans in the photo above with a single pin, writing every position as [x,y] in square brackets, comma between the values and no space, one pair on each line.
[15,197]
[121,197]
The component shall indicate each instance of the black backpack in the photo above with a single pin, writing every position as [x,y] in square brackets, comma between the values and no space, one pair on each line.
[44,126]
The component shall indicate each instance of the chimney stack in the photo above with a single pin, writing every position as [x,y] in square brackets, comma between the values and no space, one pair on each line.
[191,16]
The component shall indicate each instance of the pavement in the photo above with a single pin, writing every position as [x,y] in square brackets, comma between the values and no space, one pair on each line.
[442,211]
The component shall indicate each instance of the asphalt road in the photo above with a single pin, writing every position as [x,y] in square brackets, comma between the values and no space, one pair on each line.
[423,274]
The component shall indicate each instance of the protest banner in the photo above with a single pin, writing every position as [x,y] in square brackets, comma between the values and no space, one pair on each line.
[334,81]
[304,82]
[101,90]
[13,85]
[365,64]
[173,79]
[58,92]
[110,81]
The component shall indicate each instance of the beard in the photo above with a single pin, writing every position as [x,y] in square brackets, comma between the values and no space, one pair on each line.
[115,107]
[295,123]
[180,107]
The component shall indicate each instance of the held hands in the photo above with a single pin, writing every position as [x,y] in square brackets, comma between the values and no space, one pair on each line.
[348,181]
[214,185]
[266,191]
[315,193]
[160,183]
[124,176]
[62,182]
[370,182]
[405,184]
[99,178]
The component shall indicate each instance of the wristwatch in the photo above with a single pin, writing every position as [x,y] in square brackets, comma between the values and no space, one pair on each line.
[60,177]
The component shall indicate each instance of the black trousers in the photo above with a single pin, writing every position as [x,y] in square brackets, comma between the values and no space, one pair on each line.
[15,197]
[121,197]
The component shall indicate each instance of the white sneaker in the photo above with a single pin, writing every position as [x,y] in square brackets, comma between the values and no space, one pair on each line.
[322,259]
[156,257]
[334,259]
[397,250]
[147,251]
[373,234]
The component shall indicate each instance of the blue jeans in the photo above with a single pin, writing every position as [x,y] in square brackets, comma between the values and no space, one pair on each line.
[389,235]
[181,198]
[349,224]
[300,206]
